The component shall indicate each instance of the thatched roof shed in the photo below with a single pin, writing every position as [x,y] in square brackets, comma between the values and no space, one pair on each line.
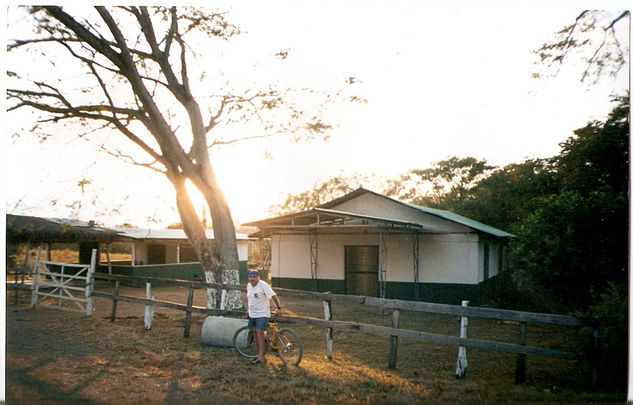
[21,229]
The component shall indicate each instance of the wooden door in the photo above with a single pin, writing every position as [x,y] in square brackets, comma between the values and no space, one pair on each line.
[361,270]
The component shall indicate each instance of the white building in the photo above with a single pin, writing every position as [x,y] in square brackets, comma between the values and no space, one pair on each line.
[164,246]
[365,243]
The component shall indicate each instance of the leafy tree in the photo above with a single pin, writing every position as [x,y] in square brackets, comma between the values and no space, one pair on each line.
[575,242]
[507,196]
[597,156]
[611,310]
[450,182]
[319,194]
[140,77]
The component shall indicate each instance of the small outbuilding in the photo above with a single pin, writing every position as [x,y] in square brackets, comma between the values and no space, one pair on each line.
[162,252]
[365,243]
[149,252]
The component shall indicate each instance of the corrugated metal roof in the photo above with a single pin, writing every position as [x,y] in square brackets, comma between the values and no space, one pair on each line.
[450,216]
[471,223]
[174,234]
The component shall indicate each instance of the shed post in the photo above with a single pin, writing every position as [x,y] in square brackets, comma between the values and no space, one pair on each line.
[520,373]
[327,315]
[462,361]
[416,266]
[114,300]
[36,276]
[27,255]
[108,258]
[188,310]
[393,346]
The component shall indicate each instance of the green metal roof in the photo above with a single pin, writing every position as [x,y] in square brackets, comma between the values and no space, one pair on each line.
[451,216]
[433,211]
[307,217]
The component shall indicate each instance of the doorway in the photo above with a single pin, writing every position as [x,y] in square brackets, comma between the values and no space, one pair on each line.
[361,270]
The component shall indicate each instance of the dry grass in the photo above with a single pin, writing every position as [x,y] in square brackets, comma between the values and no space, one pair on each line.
[59,357]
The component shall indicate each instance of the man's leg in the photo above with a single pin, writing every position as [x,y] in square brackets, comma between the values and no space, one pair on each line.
[260,336]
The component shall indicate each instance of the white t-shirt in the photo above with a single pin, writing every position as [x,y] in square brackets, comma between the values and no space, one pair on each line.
[259,299]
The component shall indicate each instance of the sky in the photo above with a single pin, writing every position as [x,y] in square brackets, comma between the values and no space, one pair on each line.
[440,81]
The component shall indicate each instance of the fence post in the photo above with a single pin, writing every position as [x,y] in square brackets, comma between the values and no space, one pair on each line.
[15,285]
[27,256]
[223,299]
[90,282]
[393,346]
[114,300]
[36,275]
[149,308]
[520,373]
[462,360]
[329,335]
[188,310]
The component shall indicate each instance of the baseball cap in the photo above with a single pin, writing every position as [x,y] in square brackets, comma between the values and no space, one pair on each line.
[253,273]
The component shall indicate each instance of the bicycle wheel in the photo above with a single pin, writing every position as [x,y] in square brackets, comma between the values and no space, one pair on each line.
[244,342]
[290,347]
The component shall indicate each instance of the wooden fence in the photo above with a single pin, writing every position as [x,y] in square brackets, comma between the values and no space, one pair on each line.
[520,348]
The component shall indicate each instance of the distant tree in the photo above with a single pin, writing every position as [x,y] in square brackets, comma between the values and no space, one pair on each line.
[447,184]
[593,37]
[507,196]
[136,72]
[126,225]
[319,194]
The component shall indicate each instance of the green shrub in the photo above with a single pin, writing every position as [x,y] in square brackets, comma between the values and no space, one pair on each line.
[610,311]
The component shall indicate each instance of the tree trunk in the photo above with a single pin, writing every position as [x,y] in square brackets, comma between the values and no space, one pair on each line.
[225,241]
[217,265]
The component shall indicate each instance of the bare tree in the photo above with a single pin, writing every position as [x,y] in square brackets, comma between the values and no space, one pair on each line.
[595,38]
[139,63]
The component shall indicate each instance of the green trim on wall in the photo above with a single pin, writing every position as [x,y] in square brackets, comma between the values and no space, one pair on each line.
[180,271]
[305,284]
[443,293]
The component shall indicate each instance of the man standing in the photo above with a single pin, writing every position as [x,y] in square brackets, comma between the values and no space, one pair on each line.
[258,295]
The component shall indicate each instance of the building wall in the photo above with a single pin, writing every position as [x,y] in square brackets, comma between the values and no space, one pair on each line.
[171,250]
[443,258]
[449,258]
[374,205]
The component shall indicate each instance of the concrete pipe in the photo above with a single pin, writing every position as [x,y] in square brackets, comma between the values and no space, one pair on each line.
[218,330]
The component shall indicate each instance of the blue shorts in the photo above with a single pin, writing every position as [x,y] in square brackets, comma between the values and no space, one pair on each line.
[259,323]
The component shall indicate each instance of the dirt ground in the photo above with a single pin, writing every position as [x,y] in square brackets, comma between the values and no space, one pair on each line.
[63,357]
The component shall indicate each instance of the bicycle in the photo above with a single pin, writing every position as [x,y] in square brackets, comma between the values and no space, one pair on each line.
[285,342]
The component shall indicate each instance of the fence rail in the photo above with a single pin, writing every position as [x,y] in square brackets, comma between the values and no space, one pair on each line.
[395,332]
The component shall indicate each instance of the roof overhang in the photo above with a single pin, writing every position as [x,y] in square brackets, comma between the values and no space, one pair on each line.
[323,220]
[21,229]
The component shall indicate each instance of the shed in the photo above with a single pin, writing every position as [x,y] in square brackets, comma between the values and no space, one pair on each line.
[365,243]
[35,230]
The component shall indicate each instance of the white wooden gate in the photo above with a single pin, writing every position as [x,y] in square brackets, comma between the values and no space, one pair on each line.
[67,287]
